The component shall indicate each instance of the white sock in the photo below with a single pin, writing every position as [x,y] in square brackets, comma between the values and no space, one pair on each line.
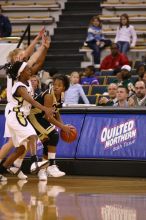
[18,162]
[51,155]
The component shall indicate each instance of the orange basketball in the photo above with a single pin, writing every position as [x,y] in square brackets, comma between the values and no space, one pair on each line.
[72,136]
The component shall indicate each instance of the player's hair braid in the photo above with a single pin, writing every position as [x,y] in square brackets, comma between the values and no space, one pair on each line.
[12,69]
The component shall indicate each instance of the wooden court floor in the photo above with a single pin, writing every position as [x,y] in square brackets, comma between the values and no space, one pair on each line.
[73,198]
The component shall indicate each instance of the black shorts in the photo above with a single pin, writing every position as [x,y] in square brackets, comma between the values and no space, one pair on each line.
[41,126]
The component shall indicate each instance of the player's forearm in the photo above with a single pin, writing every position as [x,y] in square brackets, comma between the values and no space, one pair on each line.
[30,49]
[38,65]
[35,56]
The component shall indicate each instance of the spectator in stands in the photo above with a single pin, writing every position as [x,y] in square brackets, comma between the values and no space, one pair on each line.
[115,60]
[95,39]
[139,98]
[141,68]
[89,77]
[36,85]
[110,99]
[122,96]
[125,75]
[75,91]
[5,25]
[126,35]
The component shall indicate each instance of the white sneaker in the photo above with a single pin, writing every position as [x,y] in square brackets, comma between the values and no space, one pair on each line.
[42,175]
[13,170]
[36,166]
[54,171]
[22,176]
[18,172]
[2,178]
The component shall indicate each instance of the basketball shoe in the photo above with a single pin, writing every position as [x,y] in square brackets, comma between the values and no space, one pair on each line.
[53,171]
[36,166]
[16,171]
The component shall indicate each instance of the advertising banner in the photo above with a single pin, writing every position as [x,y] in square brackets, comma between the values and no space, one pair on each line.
[107,136]
[113,136]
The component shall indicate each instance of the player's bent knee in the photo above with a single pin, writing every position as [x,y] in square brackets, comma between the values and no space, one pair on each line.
[53,139]
[33,138]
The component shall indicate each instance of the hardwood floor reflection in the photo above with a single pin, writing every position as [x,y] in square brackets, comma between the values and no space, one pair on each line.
[73,198]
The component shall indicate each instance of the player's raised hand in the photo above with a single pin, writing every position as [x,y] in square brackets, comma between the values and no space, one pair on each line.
[42,31]
[46,40]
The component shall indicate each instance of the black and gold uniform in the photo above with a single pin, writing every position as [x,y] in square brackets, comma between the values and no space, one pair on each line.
[45,130]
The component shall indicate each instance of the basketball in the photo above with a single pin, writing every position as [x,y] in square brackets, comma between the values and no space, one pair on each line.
[72,136]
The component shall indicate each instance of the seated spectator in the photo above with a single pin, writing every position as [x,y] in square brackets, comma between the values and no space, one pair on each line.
[126,35]
[110,99]
[115,60]
[89,77]
[139,98]
[5,25]
[140,70]
[36,85]
[75,91]
[122,96]
[125,76]
[95,39]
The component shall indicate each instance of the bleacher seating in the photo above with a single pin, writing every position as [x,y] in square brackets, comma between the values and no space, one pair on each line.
[19,24]
[32,20]
[120,8]
[110,79]
[137,63]
[101,79]
[34,12]
[111,11]
[98,89]
[125,1]
[86,89]
[107,72]
[28,2]
[92,99]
